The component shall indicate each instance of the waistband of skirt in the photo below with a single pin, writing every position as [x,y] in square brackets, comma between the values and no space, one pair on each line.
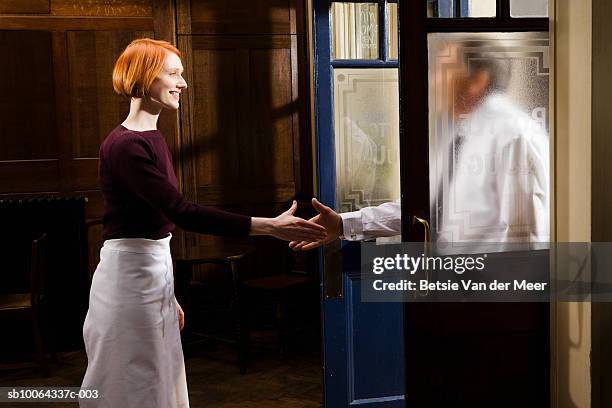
[139,245]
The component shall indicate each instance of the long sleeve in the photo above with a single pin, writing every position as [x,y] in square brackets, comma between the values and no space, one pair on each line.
[384,220]
[135,166]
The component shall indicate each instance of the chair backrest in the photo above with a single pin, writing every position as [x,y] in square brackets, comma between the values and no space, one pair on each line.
[66,289]
[38,268]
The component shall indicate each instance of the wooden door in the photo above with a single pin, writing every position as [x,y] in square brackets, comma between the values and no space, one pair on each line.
[357,124]
[467,354]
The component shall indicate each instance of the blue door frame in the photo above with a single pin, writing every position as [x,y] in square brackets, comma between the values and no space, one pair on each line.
[363,343]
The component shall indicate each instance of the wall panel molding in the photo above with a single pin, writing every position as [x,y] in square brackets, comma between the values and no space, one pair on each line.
[98,8]
[30,176]
[74,23]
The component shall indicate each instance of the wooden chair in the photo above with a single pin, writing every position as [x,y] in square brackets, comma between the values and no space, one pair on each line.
[233,258]
[292,287]
[32,303]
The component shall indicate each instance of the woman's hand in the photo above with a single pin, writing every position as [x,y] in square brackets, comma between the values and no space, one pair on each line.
[181,315]
[327,218]
[288,227]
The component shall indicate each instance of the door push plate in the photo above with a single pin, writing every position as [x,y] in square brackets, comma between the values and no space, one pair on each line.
[332,271]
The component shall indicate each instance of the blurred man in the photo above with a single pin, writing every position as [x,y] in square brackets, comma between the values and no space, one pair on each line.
[493,186]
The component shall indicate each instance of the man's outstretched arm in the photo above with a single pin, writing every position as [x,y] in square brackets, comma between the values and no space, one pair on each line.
[369,222]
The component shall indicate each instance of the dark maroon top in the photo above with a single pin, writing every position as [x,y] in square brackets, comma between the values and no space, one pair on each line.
[140,190]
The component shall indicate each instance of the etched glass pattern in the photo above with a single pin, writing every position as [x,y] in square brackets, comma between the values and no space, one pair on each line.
[366,121]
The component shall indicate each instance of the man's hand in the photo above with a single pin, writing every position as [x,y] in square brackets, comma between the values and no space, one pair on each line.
[327,218]
[181,315]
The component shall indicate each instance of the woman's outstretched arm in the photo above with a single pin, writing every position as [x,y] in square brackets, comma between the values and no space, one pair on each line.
[135,167]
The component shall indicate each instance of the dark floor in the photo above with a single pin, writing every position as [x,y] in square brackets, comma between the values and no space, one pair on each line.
[292,380]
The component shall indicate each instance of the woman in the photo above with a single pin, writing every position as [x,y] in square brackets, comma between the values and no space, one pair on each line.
[131,331]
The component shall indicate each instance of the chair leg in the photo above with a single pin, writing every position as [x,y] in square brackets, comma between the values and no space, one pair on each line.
[41,357]
[281,320]
[50,338]
[244,334]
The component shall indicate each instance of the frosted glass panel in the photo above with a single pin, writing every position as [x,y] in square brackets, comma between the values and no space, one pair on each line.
[392,39]
[366,120]
[354,30]
[529,8]
[489,145]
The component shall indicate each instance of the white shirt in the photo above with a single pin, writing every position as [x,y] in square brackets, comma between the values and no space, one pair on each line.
[500,185]
[384,220]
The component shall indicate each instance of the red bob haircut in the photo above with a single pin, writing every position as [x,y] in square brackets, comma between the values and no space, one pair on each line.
[138,66]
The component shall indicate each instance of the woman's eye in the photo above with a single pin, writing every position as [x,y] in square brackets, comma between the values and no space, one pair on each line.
[173,73]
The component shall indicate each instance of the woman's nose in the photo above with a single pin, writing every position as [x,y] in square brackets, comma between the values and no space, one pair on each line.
[182,84]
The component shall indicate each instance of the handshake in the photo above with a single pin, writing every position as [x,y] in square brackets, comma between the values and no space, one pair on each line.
[328,219]
[303,234]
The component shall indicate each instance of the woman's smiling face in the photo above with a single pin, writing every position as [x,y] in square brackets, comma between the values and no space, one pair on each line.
[169,83]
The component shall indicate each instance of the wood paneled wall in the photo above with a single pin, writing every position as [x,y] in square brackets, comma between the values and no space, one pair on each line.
[246,131]
[242,141]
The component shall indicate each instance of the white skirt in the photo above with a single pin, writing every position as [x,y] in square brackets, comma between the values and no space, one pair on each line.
[131,331]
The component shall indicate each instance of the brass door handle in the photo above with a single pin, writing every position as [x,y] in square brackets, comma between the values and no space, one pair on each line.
[425,223]
[426,248]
